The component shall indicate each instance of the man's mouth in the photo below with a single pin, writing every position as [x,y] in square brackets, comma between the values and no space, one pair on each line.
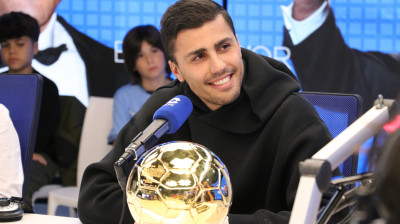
[222,81]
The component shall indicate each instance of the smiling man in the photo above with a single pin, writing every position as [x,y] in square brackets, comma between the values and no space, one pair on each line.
[246,109]
[215,57]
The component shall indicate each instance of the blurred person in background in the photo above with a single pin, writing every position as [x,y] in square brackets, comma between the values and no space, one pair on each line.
[146,61]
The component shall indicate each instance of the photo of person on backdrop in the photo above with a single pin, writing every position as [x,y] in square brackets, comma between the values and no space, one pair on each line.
[325,63]
[79,65]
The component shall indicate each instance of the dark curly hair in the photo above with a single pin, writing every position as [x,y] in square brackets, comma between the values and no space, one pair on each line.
[18,24]
[188,14]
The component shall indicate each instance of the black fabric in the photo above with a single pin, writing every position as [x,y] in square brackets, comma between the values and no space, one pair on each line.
[324,63]
[40,175]
[50,55]
[68,133]
[66,138]
[103,75]
[261,137]
[48,119]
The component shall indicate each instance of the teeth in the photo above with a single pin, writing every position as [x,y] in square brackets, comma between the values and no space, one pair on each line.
[222,81]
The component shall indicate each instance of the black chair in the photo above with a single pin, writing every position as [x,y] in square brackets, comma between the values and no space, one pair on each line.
[338,111]
[22,94]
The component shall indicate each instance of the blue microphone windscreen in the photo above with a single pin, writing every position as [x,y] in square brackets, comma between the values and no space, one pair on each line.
[175,111]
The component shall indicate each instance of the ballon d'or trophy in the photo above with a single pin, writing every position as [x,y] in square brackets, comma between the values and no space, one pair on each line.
[179,182]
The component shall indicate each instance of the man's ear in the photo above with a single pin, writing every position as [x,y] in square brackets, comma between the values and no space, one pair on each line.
[175,69]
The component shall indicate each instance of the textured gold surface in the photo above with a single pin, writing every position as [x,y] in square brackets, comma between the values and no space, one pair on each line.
[179,182]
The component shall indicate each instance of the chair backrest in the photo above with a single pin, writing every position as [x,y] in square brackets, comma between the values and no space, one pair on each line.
[96,127]
[338,111]
[22,95]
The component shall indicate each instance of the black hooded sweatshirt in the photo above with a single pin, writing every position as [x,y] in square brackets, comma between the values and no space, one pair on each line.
[261,137]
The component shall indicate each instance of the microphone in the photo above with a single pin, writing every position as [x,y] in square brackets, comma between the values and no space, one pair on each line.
[167,119]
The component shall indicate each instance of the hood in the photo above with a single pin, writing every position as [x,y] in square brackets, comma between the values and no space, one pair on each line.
[266,84]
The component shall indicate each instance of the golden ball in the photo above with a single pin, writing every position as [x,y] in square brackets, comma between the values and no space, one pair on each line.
[179,182]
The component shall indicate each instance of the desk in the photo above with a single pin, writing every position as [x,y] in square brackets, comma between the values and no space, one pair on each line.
[30,218]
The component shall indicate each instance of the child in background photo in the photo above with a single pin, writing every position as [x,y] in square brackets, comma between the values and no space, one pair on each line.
[146,61]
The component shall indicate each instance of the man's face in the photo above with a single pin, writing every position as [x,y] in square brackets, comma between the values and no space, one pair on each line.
[209,59]
[41,10]
[17,54]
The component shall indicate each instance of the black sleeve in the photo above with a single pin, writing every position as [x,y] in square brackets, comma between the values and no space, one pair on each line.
[101,199]
[49,117]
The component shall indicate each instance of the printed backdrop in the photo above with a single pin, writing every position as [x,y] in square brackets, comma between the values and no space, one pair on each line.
[365,24]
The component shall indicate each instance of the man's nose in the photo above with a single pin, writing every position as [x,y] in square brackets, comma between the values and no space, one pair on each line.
[217,64]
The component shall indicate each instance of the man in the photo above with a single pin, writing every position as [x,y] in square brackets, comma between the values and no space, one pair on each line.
[323,61]
[246,109]
[84,67]
[19,34]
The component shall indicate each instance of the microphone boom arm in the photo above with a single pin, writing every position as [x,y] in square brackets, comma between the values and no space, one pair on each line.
[139,145]
[312,181]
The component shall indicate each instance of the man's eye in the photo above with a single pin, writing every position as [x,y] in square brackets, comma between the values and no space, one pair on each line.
[198,57]
[225,46]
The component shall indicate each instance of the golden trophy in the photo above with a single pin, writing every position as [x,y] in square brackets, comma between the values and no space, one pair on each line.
[179,182]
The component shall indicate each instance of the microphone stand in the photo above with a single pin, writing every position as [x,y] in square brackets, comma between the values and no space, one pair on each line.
[344,197]
[315,172]
[139,145]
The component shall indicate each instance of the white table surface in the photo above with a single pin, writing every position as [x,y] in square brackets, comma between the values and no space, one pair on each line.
[45,219]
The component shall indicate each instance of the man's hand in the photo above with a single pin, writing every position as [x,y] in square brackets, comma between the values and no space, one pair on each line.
[38,157]
[302,9]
